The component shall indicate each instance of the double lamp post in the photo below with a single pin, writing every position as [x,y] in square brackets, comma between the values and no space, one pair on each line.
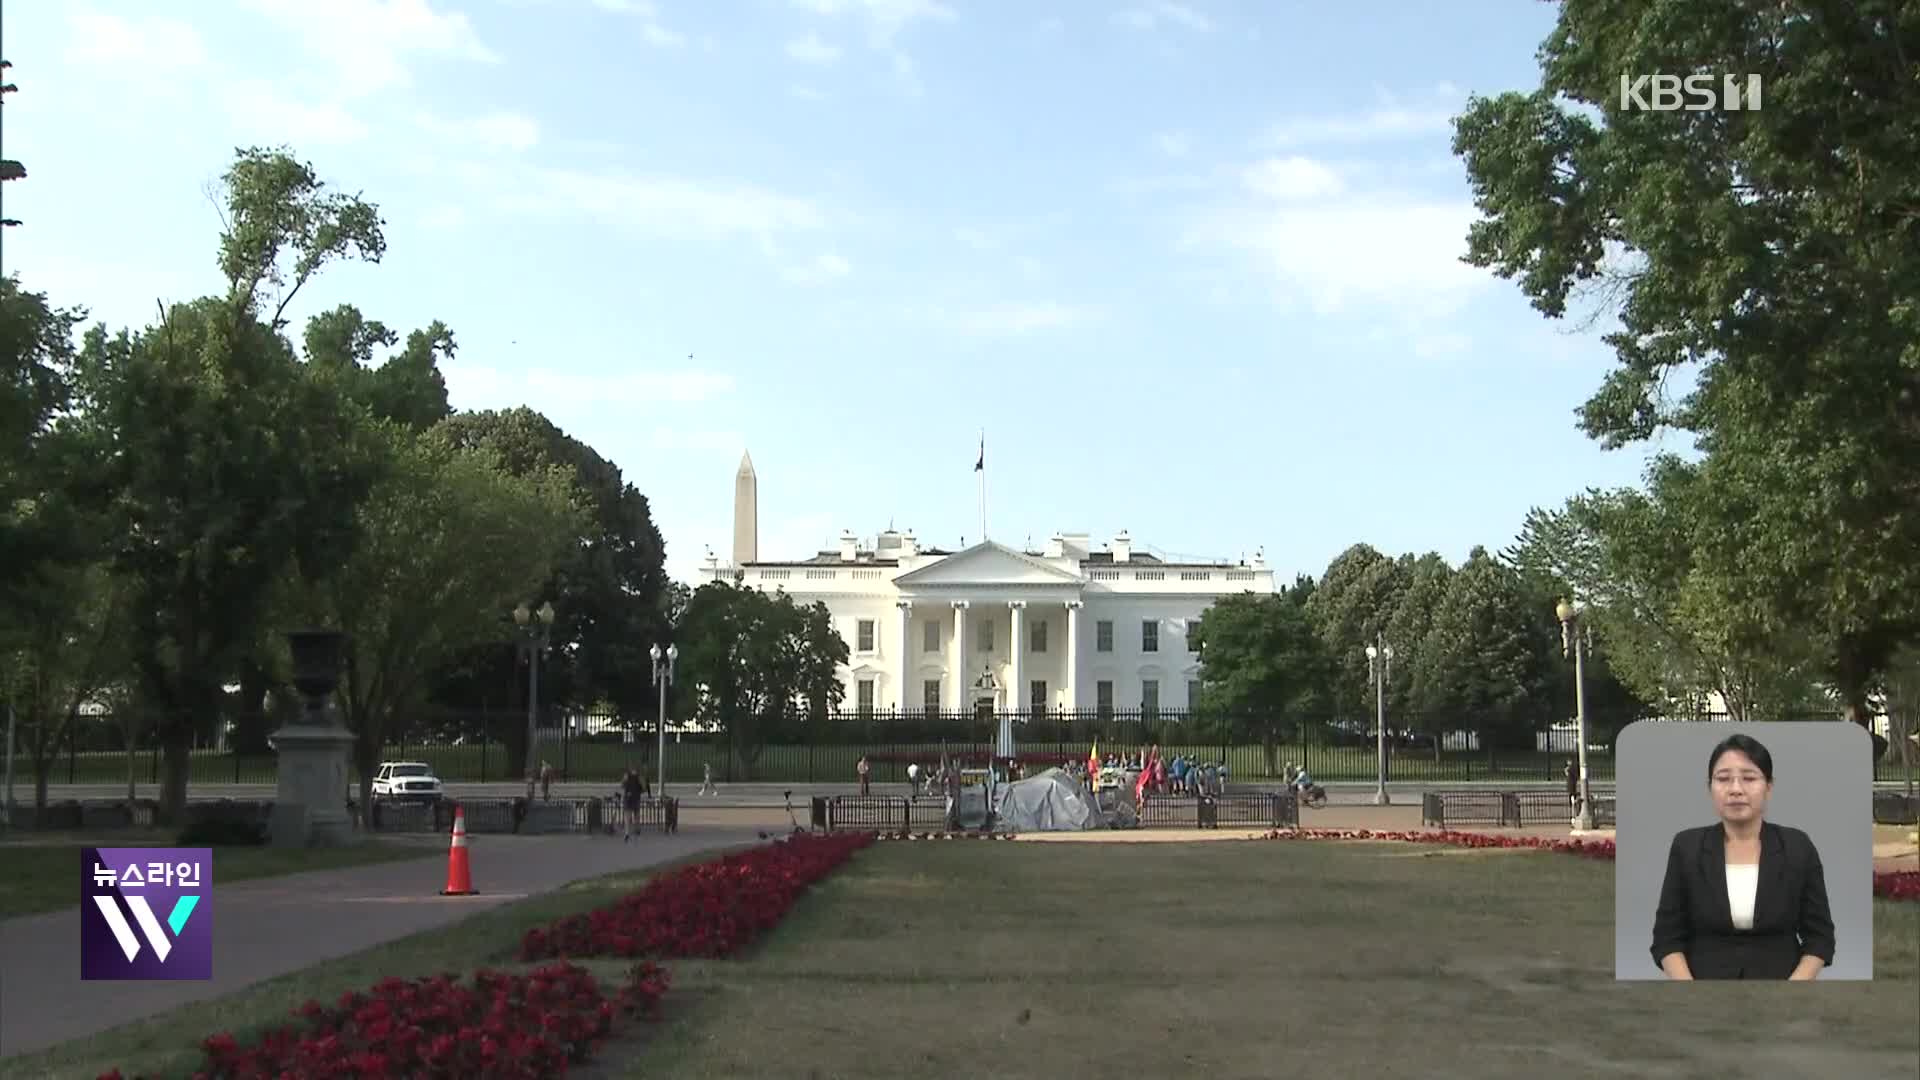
[662,678]
[1572,640]
[536,634]
[1380,669]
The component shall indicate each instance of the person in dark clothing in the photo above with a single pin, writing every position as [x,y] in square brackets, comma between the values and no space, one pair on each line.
[630,786]
[1573,788]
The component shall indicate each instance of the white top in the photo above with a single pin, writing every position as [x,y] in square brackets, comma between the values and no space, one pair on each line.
[1743,883]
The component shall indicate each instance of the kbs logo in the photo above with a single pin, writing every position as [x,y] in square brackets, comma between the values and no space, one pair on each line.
[123,892]
[1694,93]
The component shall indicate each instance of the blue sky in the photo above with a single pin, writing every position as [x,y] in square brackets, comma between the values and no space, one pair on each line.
[1192,266]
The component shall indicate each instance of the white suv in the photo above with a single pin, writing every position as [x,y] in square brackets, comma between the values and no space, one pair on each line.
[407,780]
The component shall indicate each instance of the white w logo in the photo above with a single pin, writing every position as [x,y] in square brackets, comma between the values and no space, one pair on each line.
[149,925]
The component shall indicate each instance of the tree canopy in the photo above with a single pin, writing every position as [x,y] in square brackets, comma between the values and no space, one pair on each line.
[1773,255]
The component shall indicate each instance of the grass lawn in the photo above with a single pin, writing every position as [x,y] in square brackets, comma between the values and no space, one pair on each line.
[1232,959]
[43,869]
[1226,959]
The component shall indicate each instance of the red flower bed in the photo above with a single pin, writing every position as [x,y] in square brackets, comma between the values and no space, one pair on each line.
[1897,884]
[1592,849]
[1888,884]
[708,909]
[495,1026]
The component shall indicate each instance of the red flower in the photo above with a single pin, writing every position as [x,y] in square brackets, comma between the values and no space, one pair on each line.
[708,909]
[493,1026]
[1890,884]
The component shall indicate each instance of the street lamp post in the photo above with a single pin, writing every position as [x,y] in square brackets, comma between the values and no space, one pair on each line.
[536,631]
[1572,641]
[662,677]
[1379,666]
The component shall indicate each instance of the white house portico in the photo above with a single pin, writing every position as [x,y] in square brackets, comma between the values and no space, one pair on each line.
[1065,627]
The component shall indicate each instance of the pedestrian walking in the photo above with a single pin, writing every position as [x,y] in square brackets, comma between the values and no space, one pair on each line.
[1573,788]
[706,780]
[546,781]
[865,772]
[630,785]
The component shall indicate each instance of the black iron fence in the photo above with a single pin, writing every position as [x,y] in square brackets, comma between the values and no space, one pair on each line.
[901,813]
[486,748]
[1512,809]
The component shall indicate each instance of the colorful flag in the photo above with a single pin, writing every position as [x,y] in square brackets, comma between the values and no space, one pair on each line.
[980,464]
[1093,765]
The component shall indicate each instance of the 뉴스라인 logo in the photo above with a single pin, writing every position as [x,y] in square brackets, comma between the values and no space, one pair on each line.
[146,913]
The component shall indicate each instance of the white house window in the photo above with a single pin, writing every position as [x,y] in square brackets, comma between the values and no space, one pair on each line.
[1193,693]
[1039,637]
[930,637]
[930,695]
[1038,696]
[1150,635]
[865,698]
[1103,636]
[1193,635]
[1149,695]
[864,633]
[985,637]
[1103,693]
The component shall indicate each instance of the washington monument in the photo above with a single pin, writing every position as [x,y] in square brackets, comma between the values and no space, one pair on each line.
[746,513]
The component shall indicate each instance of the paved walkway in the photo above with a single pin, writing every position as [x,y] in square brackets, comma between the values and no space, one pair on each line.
[272,926]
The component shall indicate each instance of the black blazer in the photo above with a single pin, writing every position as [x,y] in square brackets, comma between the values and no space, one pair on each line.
[1790,914]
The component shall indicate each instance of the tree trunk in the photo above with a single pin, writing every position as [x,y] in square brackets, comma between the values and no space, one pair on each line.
[176,765]
[250,719]
[39,790]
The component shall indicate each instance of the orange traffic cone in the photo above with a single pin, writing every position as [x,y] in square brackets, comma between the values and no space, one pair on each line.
[459,874]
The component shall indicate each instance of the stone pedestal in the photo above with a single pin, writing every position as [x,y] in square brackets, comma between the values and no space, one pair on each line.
[310,809]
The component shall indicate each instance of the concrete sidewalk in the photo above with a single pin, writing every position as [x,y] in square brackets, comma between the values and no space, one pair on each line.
[273,926]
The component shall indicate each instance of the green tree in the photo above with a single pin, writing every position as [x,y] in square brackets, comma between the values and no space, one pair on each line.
[62,648]
[221,466]
[1264,667]
[1429,578]
[1485,659]
[1352,605]
[448,542]
[9,169]
[1677,626]
[610,592]
[755,662]
[1775,252]
[36,447]
[407,388]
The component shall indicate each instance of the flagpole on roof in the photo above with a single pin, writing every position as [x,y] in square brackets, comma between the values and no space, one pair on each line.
[980,466]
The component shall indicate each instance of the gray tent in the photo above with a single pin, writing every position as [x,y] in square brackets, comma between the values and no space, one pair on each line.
[1049,802]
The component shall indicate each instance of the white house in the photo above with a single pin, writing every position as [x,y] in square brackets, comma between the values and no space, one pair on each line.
[1066,627]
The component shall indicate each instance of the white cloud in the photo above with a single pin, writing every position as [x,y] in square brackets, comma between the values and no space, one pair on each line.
[153,43]
[805,92]
[1291,178]
[1351,248]
[885,21]
[1172,144]
[662,203]
[810,49]
[1390,119]
[1163,12]
[262,113]
[652,30]
[499,130]
[369,42]
[823,269]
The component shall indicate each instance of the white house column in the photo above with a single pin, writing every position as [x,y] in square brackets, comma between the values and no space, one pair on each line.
[1073,653]
[957,661]
[903,656]
[1017,695]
